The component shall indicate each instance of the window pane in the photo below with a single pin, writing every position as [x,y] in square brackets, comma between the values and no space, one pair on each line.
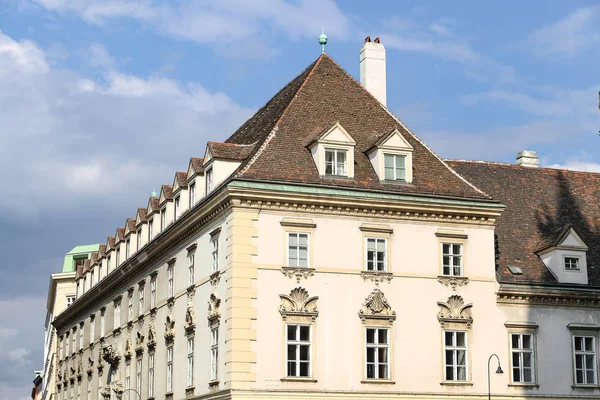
[590,376]
[382,336]
[370,335]
[578,361]
[516,360]
[515,341]
[304,369]
[461,358]
[304,353]
[527,360]
[370,354]
[589,361]
[292,352]
[462,373]
[449,357]
[589,343]
[293,239]
[291,370]
[527,375]
[389,174]
[527,342]
[516,375]
[448,338]
[389,161]
[460,339]
[383,374]
[291,332]
[578,342]
[371,244]
[305,333]
[370,371]
[382,354]
[449,373]
[303,240]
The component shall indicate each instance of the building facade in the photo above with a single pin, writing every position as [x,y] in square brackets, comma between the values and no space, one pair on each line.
[325,251]
[61,294]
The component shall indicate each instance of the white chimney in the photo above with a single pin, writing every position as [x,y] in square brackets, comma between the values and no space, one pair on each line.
[527,158]
[372,68]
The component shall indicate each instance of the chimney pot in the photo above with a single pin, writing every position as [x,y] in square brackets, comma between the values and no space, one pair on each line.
[373,69]
[377,40]
[368,39]
[528,158]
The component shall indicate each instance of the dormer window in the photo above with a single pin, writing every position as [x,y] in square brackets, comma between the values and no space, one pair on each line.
[192,194]
[209,180]
[336,162]
[163,219]
[138,236]
[395,167]
[177,207]
[572,263]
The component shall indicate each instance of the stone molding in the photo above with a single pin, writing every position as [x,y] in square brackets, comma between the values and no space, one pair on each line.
[453,281]
[376,307]
[298,272]
[455,310]
[214,312]
[298,304]
[169,328]
[190,319]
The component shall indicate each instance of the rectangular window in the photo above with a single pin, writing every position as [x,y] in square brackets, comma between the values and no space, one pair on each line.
[141,299]
[376,254]
[74,343]
[298,249]
[177,207]
[89,397]
[455,354]
[378,350]
[102,323]
[127,380]
[170,369]
[130,307]
[151,375]
[92,276]
[191,279]
[571,263]
[214,353]
[100,273]
[336,162]
[163,219]
[209,180]
[395,167]
[298,350]
[108,264]
[584,352]
[138,376]
[192,194]
[170,287]
[452,259]
[138,236]
[127,248]
[118,260]
[92,329]
[214,242]
[153,293]
[190,361]
[522,357]
[70,300]
[61,351]
[117,316]
[150,229]
[81,336]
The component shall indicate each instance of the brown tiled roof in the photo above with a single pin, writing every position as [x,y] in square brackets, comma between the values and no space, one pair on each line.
[94,257]
[168,191]
[323,94]
[130,225]
[153,202]
[102,250]
[110,241]
[553,238]
[197,165]
[181,178]
[86,265]
[230,151]
[79,271]
[540,204]
[120,234]
[142,213]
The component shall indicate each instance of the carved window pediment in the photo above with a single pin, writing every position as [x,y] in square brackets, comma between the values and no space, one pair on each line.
[139,343]
[128,352]
[298,304]
[214,313]
[111,356]
[169,328]
[376,307]
[190,318]
[151,336]
[455,310]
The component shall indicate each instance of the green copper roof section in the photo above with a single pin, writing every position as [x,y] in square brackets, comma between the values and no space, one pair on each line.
[283,187]
[84,251]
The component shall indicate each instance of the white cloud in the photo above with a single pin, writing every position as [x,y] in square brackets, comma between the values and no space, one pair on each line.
[99,56]
[19,356]
[68,139]
[585,166]
[568,36]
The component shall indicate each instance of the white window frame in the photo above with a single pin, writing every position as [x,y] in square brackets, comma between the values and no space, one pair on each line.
[118,256]
[520,352]
[108,264]
[190,361]
[214,244]
[569,265]
[102,323]
[209,180]
[395,176]
[153,292]
[81,329]
[336,165]
[192,194]
[117,315]
[298,247]
[214,353]
[163,218]
[70,301]
[127,380]
[151,375]
[92,329]
[141,290]
[451,256]
[375,256]
[150,229]
[584,353]
[455,349]
[138,236]
[298,343]
[170,368]
[171,281]
[74,341]
[191,258]
[138,376]
[377,346]
[130,307]
[177,207]
[127,247]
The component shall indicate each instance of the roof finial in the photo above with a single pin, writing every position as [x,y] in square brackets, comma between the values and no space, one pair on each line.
[153,192]
[322,40]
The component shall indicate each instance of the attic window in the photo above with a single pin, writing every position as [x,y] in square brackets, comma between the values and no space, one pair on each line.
[391,157]
[336,162]
[515,270]
[333,152]
[572,263]
[395,167]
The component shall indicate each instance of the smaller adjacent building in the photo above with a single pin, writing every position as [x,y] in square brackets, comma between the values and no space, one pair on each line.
[61,294]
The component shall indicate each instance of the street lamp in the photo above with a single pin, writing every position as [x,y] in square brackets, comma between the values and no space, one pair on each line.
[498,371]
[118,389]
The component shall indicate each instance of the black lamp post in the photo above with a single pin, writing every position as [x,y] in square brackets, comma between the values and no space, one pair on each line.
[498,371]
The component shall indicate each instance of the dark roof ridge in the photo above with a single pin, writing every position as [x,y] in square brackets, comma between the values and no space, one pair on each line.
[573,171]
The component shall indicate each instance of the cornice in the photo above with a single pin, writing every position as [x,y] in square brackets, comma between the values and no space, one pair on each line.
[548,296]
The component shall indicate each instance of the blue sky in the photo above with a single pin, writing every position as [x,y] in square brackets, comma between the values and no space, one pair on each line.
[103,100]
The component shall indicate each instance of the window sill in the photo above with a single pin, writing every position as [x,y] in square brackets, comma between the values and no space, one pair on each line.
[298,379]
[585,386]
[214,382]
[376,276]
[523,385]
[456,383]
[378,382]
[453,281]
[298,272]
[337,177]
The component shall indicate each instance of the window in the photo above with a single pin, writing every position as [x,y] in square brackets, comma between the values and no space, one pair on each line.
[127,248]
[92,329]
[127,379]
[376,254]
[67,344]
[177,207]
[571,263]
[108,264]
[214,353]
[151,375]
[585,359]
[70,300]
[378,349]
[138,236]
[84,284]
[117,315]
[138,376]
[170,287]
[102,325]
[214,242]
[298,350]
[395,167]
[81,336]
[170,369]
[297,249]
[163,219]
[191,279]
[192,194]
[74,343]
[61,351]
[455,354]
[141,299]
[153,293]
[130,307]
[336,162]
[209,180]
[92,278]
[150,229]
[452,259]
[190,361]
[100,274]
[522,357]
[89,397]
[118,261]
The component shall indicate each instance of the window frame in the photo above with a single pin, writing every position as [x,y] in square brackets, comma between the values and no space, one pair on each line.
[575,353]
[138,375]
[130,306]
[190,361]
[452,237]
[298,343]
[367,346]
[214,251]
[191,257]
[395,156]
[92,328]
[153,292]
[192,194]
[335,151]
[150,229]
[169,369]
[141,298]
[455,348]
[214,352]
[577,263]
[308,248]
[151,374]
[163,218]
[511,351]
[117,315]
[209,177]
[138,237]
[366,239]
[176,207]
[170,281]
